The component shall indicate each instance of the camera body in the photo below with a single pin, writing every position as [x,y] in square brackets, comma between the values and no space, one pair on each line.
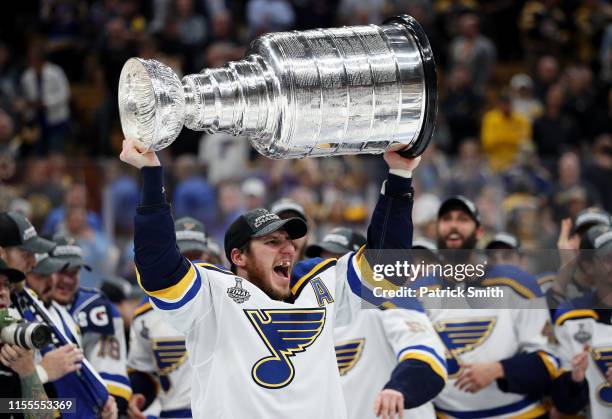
[28,335]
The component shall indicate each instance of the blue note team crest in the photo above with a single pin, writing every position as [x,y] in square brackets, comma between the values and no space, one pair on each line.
[603,360]
[460,336]
[285,332]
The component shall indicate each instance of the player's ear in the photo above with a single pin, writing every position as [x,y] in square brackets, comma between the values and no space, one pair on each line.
[238,257]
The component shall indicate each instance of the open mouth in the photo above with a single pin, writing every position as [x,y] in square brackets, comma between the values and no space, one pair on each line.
[283,269]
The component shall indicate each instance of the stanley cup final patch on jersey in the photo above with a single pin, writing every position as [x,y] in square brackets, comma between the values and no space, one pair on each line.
[603,360]
[348,354]
[237,293]
[285,332]
[461,336]
[582,335]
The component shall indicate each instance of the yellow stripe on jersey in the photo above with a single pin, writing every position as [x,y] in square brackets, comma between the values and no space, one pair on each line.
[429,360]
[143,309]
[552,369]
[365,272]
[512,283]
[175,291]
[213,267]
[576,314]
[122,392]
[310,274]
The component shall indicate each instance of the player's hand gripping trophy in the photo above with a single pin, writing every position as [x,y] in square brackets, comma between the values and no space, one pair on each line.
[351,90]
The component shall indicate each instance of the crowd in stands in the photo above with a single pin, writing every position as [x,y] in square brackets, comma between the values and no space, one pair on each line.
[524,125]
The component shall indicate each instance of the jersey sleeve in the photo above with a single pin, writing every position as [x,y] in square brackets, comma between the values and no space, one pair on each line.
[535,366]
[140,357]
[174,285]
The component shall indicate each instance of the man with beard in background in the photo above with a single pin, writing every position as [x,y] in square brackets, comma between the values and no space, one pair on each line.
[497,357]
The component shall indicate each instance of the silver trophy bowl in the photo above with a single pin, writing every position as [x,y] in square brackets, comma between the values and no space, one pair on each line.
[322,92]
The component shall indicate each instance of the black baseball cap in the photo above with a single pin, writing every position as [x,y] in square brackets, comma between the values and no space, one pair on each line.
[503,240]
[260,222]
[339,241]
[48,265]
[13,275]
[190,235]
[289,207]
[588,218]
[17,231]
[69,252]
[460,201]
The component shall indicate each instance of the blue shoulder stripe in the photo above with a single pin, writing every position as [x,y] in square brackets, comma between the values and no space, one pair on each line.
[520,281]
[306,270]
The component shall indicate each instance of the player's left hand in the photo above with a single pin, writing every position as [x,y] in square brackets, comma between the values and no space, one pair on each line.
[395,161]
[475,377]
[110,409]
[389,404]
[580,362]
[18,359]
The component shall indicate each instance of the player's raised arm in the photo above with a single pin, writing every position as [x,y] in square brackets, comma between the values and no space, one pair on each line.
[391,222]
[170,280]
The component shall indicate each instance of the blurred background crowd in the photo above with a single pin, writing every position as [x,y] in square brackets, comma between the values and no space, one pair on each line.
[524,123]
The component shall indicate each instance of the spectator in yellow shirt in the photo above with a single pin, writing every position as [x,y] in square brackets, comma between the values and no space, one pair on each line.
[503,134]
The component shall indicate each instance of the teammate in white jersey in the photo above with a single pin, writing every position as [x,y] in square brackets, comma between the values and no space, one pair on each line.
[100,322]
[498,360]
[385,352]
[158,358]
[587,322]
[260,338]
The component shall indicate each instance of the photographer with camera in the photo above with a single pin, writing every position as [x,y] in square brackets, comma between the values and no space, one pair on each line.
[18,371]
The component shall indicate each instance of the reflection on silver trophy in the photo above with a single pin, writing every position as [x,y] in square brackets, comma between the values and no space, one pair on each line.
[351,90]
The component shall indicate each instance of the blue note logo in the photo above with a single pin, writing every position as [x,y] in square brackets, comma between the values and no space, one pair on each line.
[603,360]
[169,354]
[460,336]
[348,353]
[285,332]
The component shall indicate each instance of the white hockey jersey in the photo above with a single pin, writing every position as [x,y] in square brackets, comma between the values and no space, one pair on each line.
[476,331]
[581,325]
[103,338]
[254,357]
[370,348]
[156,348]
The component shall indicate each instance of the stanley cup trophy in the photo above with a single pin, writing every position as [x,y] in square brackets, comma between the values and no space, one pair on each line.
[322,92]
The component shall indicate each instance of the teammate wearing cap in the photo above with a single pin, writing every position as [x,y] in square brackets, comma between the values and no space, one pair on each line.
[266,327]
[19,242]
[572,281]
[503,249]
[382,350]
[61,363]
[99,320]
[497,356]
[586,322]
[287,208]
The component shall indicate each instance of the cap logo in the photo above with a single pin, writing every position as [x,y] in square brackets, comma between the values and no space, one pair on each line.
[29,233]
[68,251]
[191,235]
[189,226]
[262,219]
[336,238]
[603,239]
